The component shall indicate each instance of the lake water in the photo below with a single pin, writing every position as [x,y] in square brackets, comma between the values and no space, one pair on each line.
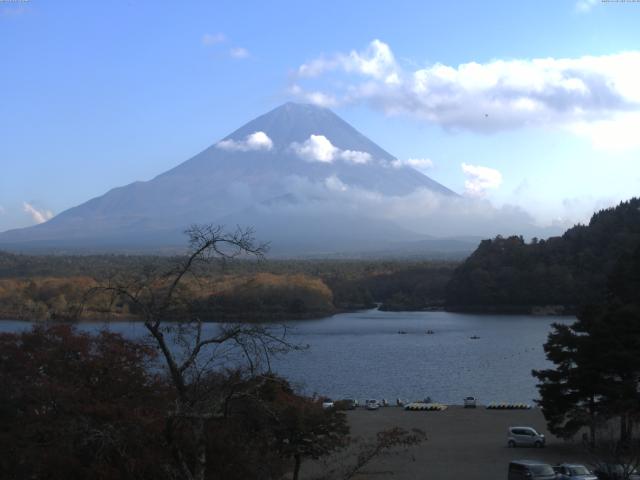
[362,355]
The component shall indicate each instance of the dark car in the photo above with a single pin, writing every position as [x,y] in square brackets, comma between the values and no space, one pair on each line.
[530,470]
[572,471]
[347,404]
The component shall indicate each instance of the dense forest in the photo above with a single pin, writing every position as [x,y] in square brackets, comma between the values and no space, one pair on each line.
[509,274]
[38,287]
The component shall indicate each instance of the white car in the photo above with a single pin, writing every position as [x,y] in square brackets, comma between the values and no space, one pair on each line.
[470,402]
[372,405]
[327,403]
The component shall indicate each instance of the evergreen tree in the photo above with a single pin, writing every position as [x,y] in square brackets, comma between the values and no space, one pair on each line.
[570,393]
[597,361]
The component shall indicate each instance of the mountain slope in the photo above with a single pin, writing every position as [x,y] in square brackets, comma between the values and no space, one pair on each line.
[300,153]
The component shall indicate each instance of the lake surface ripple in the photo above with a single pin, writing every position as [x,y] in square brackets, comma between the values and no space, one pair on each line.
[363,355]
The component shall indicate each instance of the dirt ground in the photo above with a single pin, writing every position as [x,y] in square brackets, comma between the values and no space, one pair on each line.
[461,443]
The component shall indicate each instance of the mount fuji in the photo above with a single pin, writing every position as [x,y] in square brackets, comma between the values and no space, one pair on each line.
[294,174]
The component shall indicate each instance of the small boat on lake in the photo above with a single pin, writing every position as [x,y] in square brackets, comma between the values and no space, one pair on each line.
[474,337]
[430,332]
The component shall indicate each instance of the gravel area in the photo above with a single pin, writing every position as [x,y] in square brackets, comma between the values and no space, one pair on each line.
[461,443]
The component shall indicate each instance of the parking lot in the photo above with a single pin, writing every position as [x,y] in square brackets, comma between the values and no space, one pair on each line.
[461,443]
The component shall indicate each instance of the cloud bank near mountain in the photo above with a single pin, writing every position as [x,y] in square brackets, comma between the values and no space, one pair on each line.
[422,211]
[37,215]
[480,179]
[569,93]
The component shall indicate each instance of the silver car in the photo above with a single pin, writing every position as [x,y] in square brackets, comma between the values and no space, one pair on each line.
[524,437]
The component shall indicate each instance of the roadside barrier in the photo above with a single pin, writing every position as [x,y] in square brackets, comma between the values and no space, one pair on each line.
[508,406]
[427,407]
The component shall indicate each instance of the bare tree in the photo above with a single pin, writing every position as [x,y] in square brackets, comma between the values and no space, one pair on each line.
[191,349]
[350,463]
[613,458]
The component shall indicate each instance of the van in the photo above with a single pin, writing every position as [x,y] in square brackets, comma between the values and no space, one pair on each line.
[530,470]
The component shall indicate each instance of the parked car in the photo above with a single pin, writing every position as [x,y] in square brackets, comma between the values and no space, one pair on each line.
[571,471]
[524,437]
[327,403]
[372,405]
[470,402]
[616,471]
[530,470]
[346,404]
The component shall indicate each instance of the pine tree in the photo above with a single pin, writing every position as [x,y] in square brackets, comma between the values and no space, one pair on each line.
[597,361]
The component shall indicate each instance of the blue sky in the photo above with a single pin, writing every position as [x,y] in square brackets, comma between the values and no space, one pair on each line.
[100,94]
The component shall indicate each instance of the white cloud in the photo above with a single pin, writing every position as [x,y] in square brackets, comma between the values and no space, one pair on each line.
[417,163]
[254,141]
[585,6]
[482,97]
[480,179]
[209,39]
[376,61]
[239,52]
[213,39]
[318,148]
[38,216]
[2,210]
[318,67]
[317,98]
[355,156]
[581,208]
[335,184]
[615,134]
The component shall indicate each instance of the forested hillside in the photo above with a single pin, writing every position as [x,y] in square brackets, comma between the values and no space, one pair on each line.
[509,274]
[54,286]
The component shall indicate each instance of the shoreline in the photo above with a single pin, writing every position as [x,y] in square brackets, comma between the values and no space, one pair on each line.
[534,310]
[137,319]
[529,311]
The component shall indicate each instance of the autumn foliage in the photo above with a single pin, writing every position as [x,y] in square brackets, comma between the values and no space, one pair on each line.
[255,297]
[74,405]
